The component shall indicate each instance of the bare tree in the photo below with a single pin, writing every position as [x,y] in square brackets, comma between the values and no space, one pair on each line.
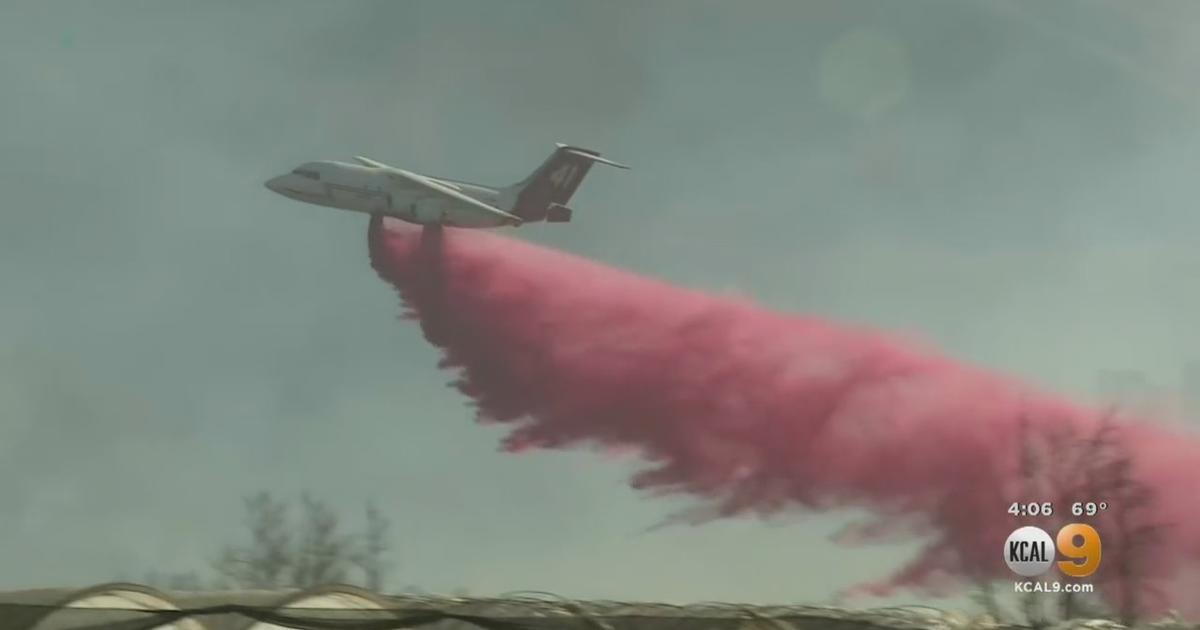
[323,554]
[1104,472]
[370,560]
[1133,536]
[1066,467]
[313,551]
[265,562]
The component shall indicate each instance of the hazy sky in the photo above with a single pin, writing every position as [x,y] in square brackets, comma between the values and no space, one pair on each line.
[1013,182]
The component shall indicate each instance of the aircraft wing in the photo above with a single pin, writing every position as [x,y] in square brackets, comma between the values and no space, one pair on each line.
[441,190]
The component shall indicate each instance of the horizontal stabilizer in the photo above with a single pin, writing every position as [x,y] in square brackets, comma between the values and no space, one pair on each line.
[588,154]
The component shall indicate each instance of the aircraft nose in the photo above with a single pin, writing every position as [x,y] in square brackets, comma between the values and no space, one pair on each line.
[275,184]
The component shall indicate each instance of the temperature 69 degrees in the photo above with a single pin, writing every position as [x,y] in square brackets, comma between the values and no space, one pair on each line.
[1030,551]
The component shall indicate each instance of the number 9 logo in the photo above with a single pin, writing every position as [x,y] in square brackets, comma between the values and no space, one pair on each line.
[1080,543]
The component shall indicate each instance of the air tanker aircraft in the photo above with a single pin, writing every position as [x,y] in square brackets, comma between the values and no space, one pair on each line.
[375,188]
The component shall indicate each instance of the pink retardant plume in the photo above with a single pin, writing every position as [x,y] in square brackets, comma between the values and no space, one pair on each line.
[753,412]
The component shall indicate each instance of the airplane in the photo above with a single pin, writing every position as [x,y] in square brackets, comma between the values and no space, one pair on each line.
[375,188]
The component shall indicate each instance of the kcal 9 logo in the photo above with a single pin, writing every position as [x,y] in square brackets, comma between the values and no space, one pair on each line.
[1029,551]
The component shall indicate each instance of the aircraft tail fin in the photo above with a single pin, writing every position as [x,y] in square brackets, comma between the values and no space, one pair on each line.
[553,183]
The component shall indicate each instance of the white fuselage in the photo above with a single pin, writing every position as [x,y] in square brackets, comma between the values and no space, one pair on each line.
[370,190]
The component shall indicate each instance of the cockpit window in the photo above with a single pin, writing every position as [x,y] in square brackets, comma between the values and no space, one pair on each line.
[303,172]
